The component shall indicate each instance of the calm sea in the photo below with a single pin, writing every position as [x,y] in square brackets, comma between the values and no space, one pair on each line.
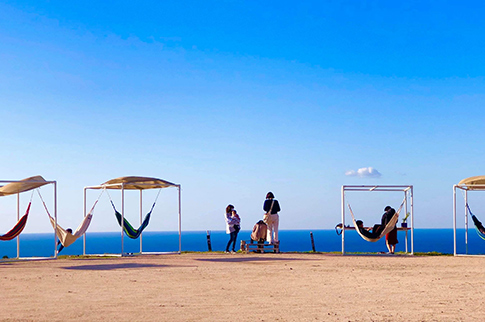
[425,240]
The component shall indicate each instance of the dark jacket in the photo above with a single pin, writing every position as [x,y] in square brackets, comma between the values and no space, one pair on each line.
[267,206]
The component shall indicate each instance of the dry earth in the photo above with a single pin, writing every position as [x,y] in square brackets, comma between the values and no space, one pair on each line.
[245,287]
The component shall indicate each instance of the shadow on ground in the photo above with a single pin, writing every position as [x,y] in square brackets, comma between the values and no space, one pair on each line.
[107,267]
[238,259]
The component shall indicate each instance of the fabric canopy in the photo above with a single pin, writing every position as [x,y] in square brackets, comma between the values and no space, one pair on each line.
[22,185]
[135,183]
[474,183]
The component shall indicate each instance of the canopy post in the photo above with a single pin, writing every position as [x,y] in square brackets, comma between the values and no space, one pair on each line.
[343,219]
[141,220]
[55,217]
[84,235]
[466,222]
[454,220]
[412,220]
[180,218]
[18,218]
[122,216]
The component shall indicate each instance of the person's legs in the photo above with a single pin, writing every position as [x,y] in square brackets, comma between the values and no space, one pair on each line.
[388,247]
[269,235]
[276,222]
[234,242]
[231,240]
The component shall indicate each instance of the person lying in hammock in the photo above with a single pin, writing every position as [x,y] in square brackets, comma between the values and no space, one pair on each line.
[61,247]
[369,232]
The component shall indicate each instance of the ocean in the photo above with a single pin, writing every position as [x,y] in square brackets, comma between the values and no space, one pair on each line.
[425,240]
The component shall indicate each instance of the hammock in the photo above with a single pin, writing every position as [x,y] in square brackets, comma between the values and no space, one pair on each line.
[66,238]
[127,227]
[19,226]
[389,226]
[478,224]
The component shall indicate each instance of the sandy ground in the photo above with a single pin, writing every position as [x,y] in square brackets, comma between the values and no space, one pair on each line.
[245,287]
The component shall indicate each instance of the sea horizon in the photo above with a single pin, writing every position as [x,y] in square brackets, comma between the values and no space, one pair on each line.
[439,240]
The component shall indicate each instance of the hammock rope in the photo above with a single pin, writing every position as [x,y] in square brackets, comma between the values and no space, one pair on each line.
[129,230]
[478,224]
[389,226]
[19,226]
[65,237]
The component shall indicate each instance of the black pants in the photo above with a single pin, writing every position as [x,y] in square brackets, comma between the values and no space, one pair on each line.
[233,238]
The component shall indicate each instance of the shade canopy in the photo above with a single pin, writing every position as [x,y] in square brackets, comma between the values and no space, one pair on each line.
[22,185]
[136,183]
[473,183]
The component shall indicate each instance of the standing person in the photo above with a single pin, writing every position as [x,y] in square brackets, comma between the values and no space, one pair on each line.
[230,229]
[271,208]
[391,237]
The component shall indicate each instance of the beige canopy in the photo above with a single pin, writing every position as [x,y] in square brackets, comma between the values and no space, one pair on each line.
[136,183]
[22,185]
[473,183]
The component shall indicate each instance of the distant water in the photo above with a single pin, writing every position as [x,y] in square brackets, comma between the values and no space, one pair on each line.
[425,240]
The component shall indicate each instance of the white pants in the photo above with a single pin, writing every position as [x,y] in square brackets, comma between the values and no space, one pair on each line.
[273,223]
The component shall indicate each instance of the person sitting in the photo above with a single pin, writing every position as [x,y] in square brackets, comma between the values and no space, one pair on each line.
[367,232]
[260,231]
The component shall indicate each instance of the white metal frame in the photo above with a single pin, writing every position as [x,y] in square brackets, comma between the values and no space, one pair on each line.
[178,186]
[408,193]
[476,187]
[54,183]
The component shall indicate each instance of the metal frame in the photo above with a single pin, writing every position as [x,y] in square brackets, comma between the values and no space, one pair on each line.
[106,186]
[54,183]
[408,193]
[477,187]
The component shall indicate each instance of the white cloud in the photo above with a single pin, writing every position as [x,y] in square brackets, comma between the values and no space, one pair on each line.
[368,172]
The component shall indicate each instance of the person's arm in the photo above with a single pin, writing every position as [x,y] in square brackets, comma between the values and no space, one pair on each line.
[276,207]
[266,205]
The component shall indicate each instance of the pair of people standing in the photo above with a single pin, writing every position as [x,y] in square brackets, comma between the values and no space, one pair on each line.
[271,208]
[233,226]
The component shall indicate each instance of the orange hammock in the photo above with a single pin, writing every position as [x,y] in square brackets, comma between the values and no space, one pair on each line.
[19,226]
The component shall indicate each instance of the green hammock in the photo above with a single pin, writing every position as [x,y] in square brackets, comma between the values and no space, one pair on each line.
[128,228]
[478,224]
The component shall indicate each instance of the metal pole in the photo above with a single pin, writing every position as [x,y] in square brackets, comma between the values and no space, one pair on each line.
[466,221]
[180,220]
[412,221]
[18,218]
[122,215]
[343,219]
[406,212]
[84,235]
[55,216]
[454,220]
[313,242]
[141,220]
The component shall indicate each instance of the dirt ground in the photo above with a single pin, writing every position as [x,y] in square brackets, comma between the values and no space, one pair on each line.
[245,287]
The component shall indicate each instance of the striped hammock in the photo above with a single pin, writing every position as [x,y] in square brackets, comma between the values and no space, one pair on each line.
[128,228]
[478,224]
[19,226]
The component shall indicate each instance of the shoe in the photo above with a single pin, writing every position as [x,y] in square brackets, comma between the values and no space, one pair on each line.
[226,252]
[233,252]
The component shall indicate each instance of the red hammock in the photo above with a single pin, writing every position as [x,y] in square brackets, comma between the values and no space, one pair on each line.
[19,226]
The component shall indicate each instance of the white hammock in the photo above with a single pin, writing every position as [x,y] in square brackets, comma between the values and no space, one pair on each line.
[390,225]
[66,238]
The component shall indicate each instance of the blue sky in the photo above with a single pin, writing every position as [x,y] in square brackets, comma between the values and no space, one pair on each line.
[233,99]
